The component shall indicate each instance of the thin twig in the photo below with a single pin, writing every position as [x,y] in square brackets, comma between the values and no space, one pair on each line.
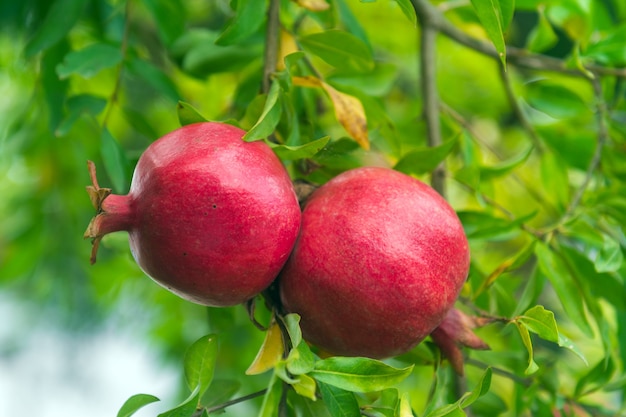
[428,61]
[522,381]
[518,112]
[515,56]
[272,41]
[603,137]
[226,404]
[120,68]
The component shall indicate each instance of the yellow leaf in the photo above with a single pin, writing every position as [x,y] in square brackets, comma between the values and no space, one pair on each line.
[270,353]
[405,406]
[306,387]
[288,46]
[348,109]
[313,5]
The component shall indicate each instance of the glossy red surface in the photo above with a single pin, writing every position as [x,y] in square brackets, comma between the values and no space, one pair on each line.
[380,260]
[210,217]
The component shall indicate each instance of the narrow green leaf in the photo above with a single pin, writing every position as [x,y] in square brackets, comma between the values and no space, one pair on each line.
[199,363]
[82,104]
[525,335]
[170,18]
[489,13]
[555,179]
[404,407]
[61,17]
[479,390]
[185,409]
[339,49]
[90,60]
[269,408]
[611,257]
[541,322]
[504,167]
[134,403]
[291,153]
[555,100]
[596,378]
[340,403]
[187,114]
[409,11]
[358,374]
[292,324]
[249,17]
[269,118]
[114,161]
[423,160]
[555,269]
[155,78]
[566,343]
[542,37]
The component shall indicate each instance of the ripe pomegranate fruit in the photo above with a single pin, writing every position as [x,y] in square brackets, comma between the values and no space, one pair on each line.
[210,217]
[379,262]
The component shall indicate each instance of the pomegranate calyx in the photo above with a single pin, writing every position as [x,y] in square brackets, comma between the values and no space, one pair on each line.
[456,331]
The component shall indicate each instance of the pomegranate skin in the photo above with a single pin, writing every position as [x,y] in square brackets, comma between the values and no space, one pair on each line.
[210,217]
[380,260]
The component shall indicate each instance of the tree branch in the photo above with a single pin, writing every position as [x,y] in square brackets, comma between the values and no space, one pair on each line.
[603,138]
[428,61]
[515,56]
[226,404]
[271,44]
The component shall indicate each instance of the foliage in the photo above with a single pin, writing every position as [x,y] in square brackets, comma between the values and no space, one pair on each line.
[529,133]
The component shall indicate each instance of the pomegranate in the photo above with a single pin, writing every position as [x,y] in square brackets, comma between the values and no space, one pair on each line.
[209,216]
[379,262]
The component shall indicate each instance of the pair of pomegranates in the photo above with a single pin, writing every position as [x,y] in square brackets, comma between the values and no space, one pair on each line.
[372,264]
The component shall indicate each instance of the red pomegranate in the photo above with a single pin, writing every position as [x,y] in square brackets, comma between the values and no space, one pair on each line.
[379,262]
[210,217]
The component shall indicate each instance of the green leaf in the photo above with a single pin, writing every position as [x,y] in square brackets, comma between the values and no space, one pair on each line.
[300,360]
[525,335]
[77,106]
[134,403]
[480,225]
[221,390]
[291,153]
[609,51]
[340,403]
[479,390]
[504,167]
[542,36]
[61,17]
[199,363]
[541,321]
[269,408]
[199,56]
[185,409]
[339,49]
[115,162]
[187,114]
[556,270]
[555,179]
[489,13]
[423,160]
[409,11]
[155,78]
[596,378]
[269,118]
[292,324]
[249,17]
[566,343]
[358,374]
[555,100]
[169,16]
[90,60]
